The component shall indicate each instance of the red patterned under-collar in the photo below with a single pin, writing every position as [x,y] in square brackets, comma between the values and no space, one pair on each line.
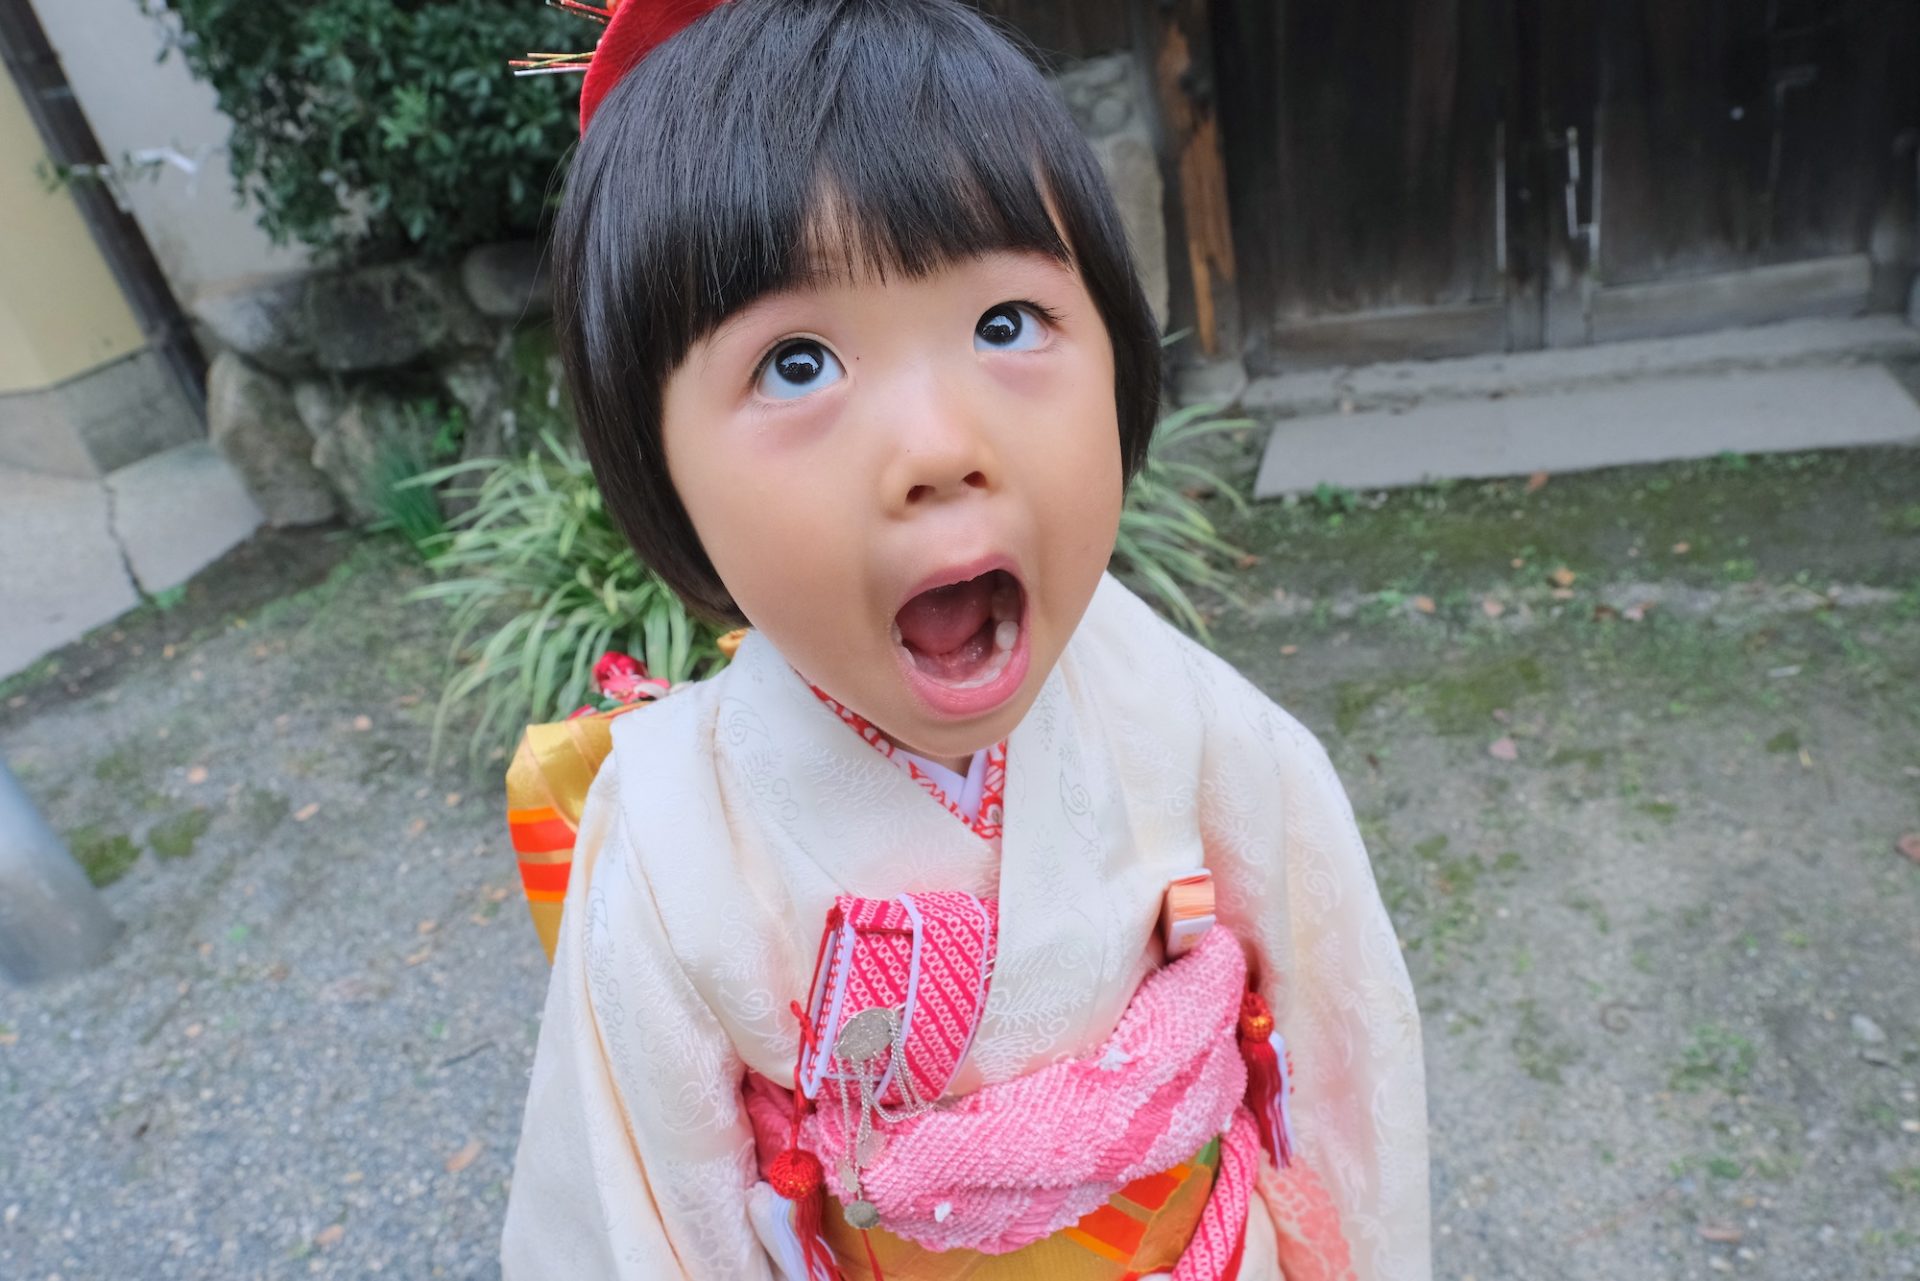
[993,792]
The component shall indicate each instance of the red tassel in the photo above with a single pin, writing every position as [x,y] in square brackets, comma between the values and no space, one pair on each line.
[796,1175]
[1266,1078]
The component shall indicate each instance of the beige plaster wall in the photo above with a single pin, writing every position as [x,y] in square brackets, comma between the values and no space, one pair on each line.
[61,310]
[138,106]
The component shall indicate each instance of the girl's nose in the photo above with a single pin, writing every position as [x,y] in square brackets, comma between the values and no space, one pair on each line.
[940,449]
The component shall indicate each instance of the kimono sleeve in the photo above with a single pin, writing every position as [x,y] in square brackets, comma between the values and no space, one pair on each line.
[1294,883]
[636,1158]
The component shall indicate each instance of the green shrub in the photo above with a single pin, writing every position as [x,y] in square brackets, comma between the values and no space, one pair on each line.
[371,128]
[537,567]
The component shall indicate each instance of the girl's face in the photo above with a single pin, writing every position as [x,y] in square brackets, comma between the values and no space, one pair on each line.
[912,486]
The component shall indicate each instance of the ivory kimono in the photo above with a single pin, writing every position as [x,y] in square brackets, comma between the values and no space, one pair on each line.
[730,815]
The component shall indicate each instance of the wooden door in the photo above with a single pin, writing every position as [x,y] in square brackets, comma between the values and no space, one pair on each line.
[1363,149]
[1417,178]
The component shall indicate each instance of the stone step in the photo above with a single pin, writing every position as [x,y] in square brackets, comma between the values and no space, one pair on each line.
[1400,384]
[1600,424]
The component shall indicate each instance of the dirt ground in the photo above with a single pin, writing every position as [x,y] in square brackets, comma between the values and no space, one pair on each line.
[1633,752]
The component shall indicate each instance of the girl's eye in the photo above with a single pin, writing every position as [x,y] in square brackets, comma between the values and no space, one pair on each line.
[1008,327]
[799,368]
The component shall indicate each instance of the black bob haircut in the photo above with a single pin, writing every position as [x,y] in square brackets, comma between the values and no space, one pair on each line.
[912,131]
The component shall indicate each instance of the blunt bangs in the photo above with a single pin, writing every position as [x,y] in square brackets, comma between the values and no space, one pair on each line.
[775,141]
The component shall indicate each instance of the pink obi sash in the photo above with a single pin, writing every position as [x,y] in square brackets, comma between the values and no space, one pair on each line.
[1085,1153]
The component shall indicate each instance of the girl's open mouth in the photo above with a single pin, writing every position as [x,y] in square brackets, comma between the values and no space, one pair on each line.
[965,643]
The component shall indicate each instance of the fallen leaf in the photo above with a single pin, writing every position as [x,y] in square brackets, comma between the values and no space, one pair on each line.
[1563,577]
[408,700]
[1538,481]
[1910,846]
[465,1157]
[1503,749]
[498,893]
[1492,608]
[306,811]
[9,1038]
[352,1176]
[279,972]
[453,799]
[1603,613]
[195,1029]
[1248,561]
[1519,562]
[426,927]
[1720,1233]
[363,723]
[420,956]
[416,827]
[1681,549]
[1563,593]
[1288,651]
[1636,613]
[197,775]
[1424,604]
[330,1236]
[169,652]
[1502,715]
[480,918]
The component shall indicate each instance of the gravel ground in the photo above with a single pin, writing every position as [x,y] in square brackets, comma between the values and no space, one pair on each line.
[1645,871]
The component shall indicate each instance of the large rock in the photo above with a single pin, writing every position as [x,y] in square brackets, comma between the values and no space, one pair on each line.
[346,322]
[252,419]
[262,321]
[1106,97]
[386,317]
[508,281]
[374,437]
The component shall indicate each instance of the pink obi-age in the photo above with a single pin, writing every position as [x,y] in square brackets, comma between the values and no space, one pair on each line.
[1138,1159]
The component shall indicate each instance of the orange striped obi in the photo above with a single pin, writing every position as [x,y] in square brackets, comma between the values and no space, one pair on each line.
[547,788]
[1143,1229]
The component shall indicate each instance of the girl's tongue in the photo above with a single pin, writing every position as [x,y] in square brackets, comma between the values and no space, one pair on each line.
[963,632]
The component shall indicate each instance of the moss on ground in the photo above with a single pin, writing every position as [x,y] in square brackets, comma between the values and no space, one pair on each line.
[1710,522]
[105,855]
[176,837]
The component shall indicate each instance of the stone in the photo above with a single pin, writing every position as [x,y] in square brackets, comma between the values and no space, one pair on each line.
[508,281]
[1133,171]
[318,404]
[252,420]
[1867,1032]
[390,316]
[372,318]
[352,450]
[1214,382]
[1111,113]
[261,321]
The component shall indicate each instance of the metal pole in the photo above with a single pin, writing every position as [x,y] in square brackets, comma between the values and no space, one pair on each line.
[52,922]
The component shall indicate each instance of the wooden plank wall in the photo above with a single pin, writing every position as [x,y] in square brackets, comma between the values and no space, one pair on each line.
[1068,28]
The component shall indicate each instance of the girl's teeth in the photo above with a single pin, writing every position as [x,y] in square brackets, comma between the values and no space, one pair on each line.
[1006,635]
[898,639]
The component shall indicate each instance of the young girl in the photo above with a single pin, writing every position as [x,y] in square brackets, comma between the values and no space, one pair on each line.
[886,952]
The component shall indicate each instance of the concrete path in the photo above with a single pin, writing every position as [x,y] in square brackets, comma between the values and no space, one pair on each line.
[1610,424]
[77,553]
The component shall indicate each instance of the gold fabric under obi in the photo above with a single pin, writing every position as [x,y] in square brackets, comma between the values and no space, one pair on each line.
[1144,1228]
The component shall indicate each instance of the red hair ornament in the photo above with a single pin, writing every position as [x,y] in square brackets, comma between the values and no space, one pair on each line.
[634,29]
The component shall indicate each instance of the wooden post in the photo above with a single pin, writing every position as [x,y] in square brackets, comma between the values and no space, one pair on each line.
[1180,43]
